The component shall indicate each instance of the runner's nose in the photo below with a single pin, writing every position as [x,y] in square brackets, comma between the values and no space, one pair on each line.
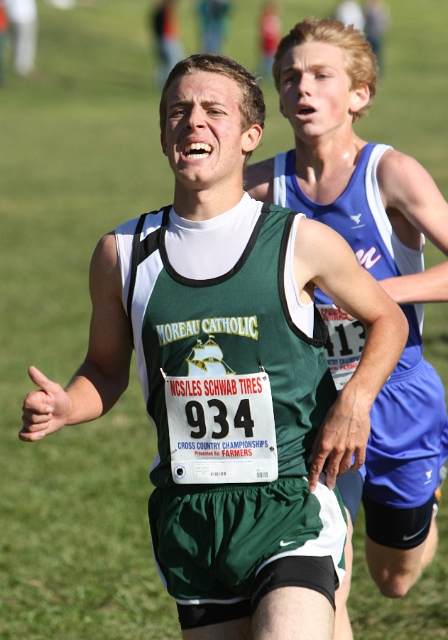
[195,118]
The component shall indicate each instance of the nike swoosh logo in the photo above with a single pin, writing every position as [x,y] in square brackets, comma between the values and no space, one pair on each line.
[285,544]
[406,537]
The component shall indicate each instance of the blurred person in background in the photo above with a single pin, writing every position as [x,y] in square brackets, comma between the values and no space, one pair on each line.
[22,15]
[269,34]
[350,12]
[377,17]
[213,22]
[3,35]
[164,25]
[62,4]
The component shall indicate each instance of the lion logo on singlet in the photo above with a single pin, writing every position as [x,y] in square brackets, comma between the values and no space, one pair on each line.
[207,359]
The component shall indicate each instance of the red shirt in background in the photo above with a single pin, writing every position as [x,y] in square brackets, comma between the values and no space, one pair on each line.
[270,30]
[3,19]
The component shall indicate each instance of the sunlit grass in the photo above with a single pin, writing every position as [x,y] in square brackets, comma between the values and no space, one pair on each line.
[79,153]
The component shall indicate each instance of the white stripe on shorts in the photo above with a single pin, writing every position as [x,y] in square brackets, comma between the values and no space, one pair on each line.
[331,539]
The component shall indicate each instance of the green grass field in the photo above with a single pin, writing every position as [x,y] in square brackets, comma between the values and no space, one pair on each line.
[79,153]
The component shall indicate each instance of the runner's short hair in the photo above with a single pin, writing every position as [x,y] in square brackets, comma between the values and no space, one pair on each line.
[252,106]
[360,61]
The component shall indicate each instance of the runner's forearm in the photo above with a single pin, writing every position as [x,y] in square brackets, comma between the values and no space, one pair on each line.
[92,393]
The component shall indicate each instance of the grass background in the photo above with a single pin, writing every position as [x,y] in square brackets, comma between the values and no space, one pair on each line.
[79,153]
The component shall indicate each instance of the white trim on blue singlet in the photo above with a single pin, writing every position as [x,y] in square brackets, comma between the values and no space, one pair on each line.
[408,261]
[280,179]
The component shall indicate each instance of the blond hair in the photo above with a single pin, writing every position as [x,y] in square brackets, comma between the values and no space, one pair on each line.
[359,59]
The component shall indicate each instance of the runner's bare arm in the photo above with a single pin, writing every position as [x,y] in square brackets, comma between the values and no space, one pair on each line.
[323,257]
[415,206]
[104,374]
[258,180]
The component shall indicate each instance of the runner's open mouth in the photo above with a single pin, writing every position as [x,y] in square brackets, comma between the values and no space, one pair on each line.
[197,150]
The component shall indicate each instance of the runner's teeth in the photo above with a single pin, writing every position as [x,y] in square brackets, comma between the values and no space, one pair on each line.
[202,147]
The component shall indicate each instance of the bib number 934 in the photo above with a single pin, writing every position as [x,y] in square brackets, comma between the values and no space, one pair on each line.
[195,415]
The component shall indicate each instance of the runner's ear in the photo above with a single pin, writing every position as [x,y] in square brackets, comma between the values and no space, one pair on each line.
[251,138]
[359,98]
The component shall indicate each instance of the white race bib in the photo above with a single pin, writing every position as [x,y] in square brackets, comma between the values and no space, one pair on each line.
[345,345]
[221,429]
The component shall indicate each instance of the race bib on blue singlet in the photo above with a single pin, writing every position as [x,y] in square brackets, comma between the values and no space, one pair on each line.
[345,343]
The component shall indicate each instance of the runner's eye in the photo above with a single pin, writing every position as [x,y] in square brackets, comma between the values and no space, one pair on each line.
[178,112]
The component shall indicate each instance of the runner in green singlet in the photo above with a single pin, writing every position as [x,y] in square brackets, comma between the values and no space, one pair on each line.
[216,295]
